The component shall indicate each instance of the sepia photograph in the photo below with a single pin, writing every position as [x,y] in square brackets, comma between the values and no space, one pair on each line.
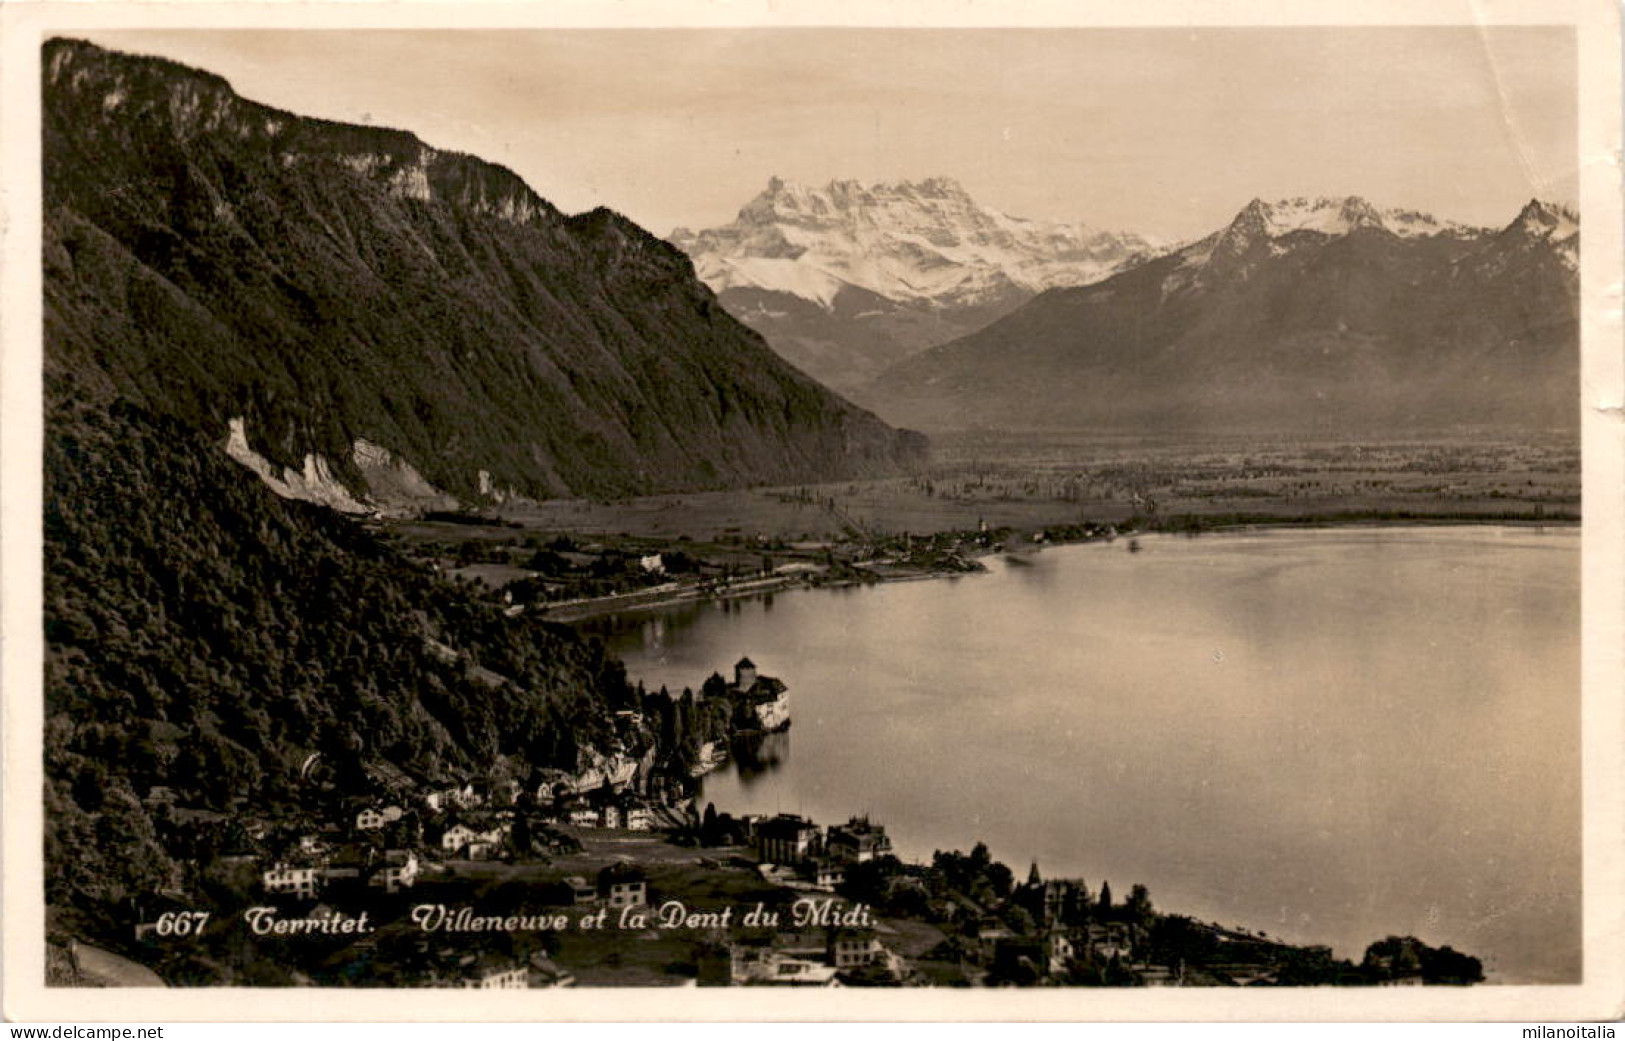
[937,508]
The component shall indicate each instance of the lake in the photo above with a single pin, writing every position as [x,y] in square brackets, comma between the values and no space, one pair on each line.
[1328,735]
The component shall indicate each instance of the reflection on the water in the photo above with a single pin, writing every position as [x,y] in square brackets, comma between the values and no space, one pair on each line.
[757,754]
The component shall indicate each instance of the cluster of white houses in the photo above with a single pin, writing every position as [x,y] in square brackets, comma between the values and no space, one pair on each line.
[628,813]
[303,876]
[387,837]
[385,851]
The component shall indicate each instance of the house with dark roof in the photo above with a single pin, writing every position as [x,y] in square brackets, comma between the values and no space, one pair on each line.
[786,839]
[857,841]
[623,885]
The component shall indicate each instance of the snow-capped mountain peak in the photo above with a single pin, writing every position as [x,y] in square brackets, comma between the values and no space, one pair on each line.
[1336,216]
[1548,220]
[1265,229]
[918,242]
[1546,225]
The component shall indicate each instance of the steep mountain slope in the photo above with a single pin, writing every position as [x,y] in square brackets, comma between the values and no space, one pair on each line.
[391,320]
[1321,314]
[849,278]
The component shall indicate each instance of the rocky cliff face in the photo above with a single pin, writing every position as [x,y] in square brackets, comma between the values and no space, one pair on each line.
[1305,314]
[846,279]
[347,291]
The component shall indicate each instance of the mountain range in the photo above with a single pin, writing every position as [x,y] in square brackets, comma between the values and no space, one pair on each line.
[245,308]
[1325,315]
[369,321]
[846,279]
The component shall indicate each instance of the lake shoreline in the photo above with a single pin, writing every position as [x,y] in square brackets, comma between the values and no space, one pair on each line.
[639,602]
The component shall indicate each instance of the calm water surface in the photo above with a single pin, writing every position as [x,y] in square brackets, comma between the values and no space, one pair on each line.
[1328,735]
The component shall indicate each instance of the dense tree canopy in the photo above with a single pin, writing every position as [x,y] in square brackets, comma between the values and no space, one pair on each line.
[205,636]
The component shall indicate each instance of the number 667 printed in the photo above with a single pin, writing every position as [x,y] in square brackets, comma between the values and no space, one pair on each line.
[182,923]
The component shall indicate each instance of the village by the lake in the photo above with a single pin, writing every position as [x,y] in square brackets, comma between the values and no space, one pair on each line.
[617,876]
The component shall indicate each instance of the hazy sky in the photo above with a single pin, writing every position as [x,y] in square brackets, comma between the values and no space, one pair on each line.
[1161,131]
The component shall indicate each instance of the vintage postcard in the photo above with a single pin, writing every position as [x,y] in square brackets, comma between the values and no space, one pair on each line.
[995,511]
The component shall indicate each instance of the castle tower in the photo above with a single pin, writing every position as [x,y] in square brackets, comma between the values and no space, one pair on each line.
[745,674]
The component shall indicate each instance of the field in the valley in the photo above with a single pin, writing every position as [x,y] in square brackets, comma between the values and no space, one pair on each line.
[581,556]
[1021,482]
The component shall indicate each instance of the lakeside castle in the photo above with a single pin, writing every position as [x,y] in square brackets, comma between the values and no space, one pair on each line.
[763,701]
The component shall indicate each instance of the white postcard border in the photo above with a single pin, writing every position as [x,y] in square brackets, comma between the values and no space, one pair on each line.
[1600,996]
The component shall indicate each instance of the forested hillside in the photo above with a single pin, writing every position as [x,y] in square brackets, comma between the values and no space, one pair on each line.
[207,636]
